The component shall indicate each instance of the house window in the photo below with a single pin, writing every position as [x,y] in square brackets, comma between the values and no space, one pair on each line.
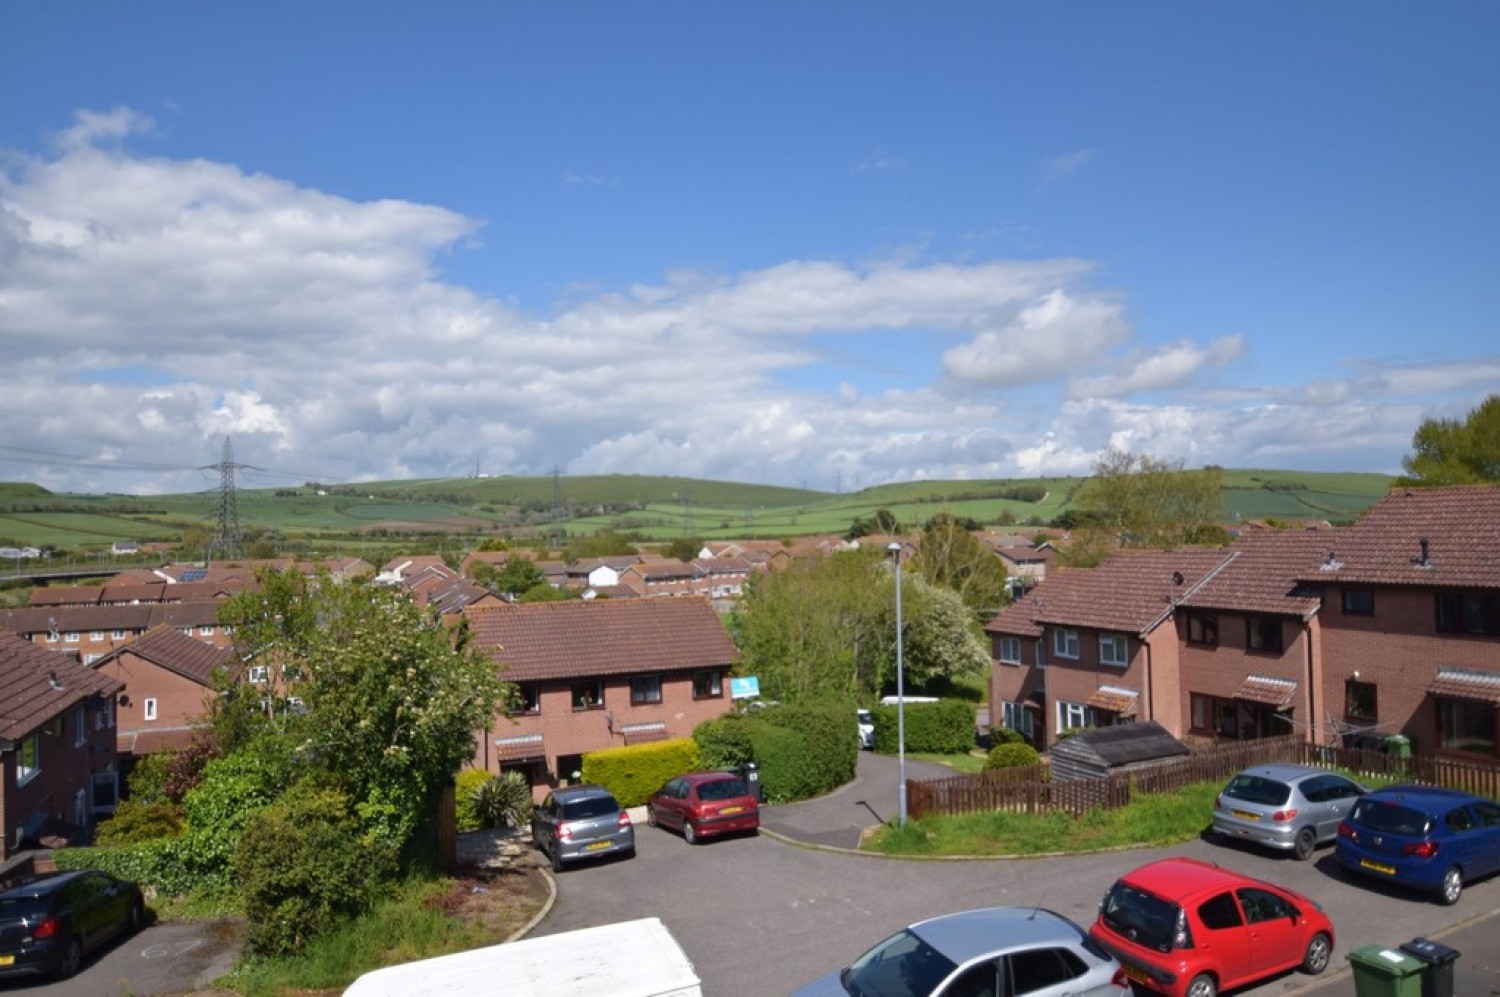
[148,709]
[1469,612]
[528,698]
[71,637]
[1213,715]
[1010,651]
[1359,602]
[708,684]
[1071,716]
[1359,701]
[52,638]
[1017,717]
[645,689]
[1203,628]
[118,634]
[1263,633]
[96,635]
[28,759]
[588,695]
[1113,650]
[258,674]
[80,726]
[186,631]
[206,631]
[1065,643]
[1467,726]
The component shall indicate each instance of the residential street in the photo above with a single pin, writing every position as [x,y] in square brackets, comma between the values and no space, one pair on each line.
[760,916]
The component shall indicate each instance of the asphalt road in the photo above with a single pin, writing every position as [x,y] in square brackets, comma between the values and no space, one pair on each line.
[759,916]
[165,958]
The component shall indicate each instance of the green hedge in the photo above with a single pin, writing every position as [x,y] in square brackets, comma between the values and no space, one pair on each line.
[156,865]
[635,772]
[832,734]
[468,781]
[942,728]
[801,751]
[1011,755]
[781,753]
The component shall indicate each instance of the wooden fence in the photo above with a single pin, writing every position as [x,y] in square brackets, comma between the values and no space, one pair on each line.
[1030,789]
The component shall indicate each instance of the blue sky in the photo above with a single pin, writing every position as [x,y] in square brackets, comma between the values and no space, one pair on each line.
[816,243]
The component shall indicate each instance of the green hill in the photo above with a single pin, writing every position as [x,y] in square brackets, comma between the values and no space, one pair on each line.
[457,513]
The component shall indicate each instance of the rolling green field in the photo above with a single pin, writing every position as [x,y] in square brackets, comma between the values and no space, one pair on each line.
[467,511]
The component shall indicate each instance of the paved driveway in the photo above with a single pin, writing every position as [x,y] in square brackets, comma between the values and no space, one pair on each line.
[759,916]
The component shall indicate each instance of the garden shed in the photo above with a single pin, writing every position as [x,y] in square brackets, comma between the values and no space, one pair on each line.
[1096,753]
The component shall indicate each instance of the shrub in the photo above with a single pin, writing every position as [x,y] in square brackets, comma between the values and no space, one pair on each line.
[156,865]
[724,742]
[305,866]
[134,821]
[503,800]
[148,777]
[1005,735]
[832,735]
[779,752]
[634,772]
[468,781]
[1010,755]
[942,728]
[233,788]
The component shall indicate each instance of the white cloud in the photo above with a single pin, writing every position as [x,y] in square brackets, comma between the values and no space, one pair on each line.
[173,302]
[1174,365]
[1071,162]
[879,162]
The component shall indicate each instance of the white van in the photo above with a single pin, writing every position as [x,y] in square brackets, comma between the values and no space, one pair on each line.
[628,959]
[894,700]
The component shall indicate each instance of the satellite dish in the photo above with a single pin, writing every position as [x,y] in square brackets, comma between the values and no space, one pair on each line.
[1176,578]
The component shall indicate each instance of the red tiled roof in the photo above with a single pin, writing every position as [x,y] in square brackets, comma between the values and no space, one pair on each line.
[1461,525]
[1132,591]
[1015,620]
[175,651]
[664,568]
[1464,683]
[1261,575]
[66,595]
[155,740]
[40,684]
[557,640]
[1114,698]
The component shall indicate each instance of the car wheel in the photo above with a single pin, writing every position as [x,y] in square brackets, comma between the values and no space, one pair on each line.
[1453,886]
[72,959]
[650,816]
[1202,985]
[1315,959]
[1307,840]
[557,862]
[689,833]
[137,917]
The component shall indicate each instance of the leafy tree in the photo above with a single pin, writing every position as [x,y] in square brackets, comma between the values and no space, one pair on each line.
[519,576]
[604,543]
[1154,503]
[685,549]
[1450,452]
[271,623]
[883,521]
[952,557]
[545,592]
[826,629]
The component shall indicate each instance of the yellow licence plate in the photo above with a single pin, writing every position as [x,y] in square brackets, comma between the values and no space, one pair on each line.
[594,846]
[7,960]
[1245,815]
[1136,974]
[1367,864]
[731,810]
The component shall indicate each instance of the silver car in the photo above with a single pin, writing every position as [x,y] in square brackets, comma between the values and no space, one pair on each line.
[981,953]
[580,822]
[1289,807]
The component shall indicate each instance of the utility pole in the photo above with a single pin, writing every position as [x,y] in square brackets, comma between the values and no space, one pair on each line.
[226,541]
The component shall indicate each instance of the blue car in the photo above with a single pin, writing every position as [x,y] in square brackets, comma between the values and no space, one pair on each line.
[1423,837]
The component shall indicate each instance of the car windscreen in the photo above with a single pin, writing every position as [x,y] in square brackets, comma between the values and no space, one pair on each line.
[1258,789]
[1140,917]
[590,806]
[1380,815]
[723,789]
[899,966]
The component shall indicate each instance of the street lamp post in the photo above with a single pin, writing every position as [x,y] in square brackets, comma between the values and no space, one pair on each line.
[894,549]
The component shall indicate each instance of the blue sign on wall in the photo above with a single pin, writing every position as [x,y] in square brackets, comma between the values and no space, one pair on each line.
[744,688]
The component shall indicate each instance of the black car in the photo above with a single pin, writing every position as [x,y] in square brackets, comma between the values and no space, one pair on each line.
[50,923]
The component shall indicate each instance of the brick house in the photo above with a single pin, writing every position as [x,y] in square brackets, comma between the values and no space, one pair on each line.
[87,633]
[1411,620]
[1388,626]
[659,577]
[601,674]
[169,681]
[57,744]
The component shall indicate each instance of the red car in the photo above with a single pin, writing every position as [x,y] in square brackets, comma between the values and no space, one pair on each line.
[1187,928]
[703,804]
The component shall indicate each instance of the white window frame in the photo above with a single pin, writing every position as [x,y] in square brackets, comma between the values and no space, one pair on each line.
[1065,643]
[118,635]
[207,630]
[27,772]
[1010,651]
[148,709]
[1114,642]
[258,674]
[96,635]
[1017,717]
[1069,711]
[71,637]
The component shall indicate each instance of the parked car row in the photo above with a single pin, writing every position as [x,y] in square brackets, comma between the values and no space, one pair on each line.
[1178,926]
[575,823]
[1421,837]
